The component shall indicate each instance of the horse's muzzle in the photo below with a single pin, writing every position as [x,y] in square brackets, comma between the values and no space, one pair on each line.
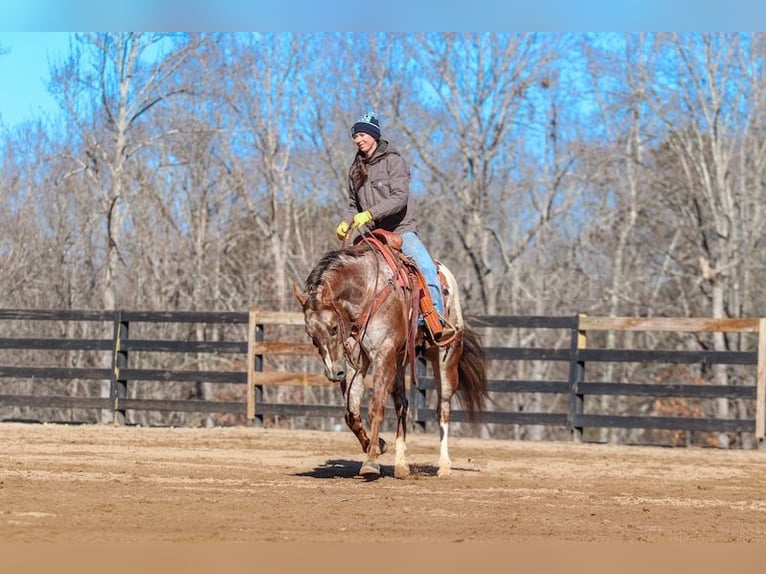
[337,373]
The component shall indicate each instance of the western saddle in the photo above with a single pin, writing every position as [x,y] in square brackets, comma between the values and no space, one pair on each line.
[409,277]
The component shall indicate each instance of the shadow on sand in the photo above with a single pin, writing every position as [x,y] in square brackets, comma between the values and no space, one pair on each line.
[342,468]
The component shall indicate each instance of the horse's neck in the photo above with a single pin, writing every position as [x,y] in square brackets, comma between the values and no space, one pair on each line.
[345,284]
[355,286]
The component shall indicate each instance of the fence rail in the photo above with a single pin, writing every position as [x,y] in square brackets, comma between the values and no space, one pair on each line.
[253,350]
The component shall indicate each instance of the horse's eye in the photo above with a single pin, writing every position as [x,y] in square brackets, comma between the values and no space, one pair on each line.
[333,330]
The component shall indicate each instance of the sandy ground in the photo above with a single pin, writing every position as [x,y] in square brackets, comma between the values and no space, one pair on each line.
[110,484]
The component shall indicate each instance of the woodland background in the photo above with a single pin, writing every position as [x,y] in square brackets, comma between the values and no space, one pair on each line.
[556,173]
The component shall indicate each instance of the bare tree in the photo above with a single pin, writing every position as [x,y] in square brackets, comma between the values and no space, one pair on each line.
[709,94]
[262,93]
[468,148]
[109,87]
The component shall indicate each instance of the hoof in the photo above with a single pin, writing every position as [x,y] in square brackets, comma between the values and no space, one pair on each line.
[382,447]
[370,469]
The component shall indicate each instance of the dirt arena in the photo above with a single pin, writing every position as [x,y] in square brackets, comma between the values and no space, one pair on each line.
[109,484]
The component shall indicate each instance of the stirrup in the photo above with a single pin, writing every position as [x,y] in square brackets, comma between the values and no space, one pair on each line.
[445,334]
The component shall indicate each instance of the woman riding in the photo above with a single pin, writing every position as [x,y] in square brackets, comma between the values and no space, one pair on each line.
[379,196]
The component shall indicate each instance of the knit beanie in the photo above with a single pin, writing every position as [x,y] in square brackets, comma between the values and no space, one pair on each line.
[367,124]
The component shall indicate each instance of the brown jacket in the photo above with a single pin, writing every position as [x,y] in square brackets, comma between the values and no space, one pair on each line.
[386,193]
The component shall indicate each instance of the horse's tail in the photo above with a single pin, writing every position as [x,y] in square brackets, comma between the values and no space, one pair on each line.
[472,375]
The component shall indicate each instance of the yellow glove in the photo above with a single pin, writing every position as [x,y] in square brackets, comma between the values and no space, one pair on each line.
[362,218]
[342,230]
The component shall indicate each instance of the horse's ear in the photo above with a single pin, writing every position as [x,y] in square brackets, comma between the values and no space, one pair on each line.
[300,295]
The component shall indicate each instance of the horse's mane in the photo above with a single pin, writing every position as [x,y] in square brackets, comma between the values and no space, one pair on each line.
[331,261]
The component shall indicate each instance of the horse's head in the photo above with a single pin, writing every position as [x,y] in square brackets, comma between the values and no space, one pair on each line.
[326,329]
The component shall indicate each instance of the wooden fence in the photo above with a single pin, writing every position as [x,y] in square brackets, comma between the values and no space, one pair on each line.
[576,387]
[106,358]
[250,354]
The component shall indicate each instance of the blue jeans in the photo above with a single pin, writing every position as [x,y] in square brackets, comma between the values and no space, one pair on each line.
[413,248]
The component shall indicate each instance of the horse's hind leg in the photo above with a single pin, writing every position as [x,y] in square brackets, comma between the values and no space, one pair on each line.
[446,378]
[401,468]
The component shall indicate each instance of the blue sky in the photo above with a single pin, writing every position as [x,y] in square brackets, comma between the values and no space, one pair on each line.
[24,69]
[24,72]
[394,16]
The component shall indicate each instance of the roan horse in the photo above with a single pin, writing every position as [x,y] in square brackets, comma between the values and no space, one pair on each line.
[359,315]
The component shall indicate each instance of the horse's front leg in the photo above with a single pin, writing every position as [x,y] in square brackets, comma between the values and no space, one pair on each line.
[383,375]
[353,392]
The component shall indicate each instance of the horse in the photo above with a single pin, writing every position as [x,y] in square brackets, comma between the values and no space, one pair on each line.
[359,313]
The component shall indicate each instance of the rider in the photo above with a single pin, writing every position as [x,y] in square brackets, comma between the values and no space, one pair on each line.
[379,196]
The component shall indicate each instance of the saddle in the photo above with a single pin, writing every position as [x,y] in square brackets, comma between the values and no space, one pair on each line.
[407,274]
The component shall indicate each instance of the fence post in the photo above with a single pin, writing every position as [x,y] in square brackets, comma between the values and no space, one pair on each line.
[578,341]
[760,389]
[254,363]
[118,389]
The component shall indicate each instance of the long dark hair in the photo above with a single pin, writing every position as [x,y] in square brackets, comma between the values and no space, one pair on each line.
[357,173]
